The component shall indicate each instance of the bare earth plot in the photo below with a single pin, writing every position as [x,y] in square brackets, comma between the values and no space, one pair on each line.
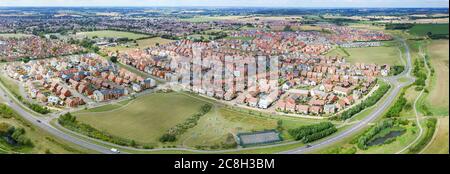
[439,93]
[439,144]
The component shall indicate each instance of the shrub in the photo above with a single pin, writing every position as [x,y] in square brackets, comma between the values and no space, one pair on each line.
[313,132]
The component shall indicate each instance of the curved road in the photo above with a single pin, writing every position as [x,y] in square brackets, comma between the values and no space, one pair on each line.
[44,123]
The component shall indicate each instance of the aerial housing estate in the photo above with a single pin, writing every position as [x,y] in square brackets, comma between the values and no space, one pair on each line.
[75,80]
[273,71]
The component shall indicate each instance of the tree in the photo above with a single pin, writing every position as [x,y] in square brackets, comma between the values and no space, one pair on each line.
[113,59]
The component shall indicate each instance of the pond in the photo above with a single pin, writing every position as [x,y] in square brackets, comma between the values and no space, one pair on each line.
[390,135]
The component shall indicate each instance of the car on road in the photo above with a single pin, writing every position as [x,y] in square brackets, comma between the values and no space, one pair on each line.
[39,121]
[114,150]
[308,146]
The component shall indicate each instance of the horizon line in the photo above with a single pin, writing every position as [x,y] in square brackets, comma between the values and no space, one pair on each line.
[284,7]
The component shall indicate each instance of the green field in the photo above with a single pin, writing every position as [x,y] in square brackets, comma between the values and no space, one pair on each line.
[438,98]
[141,44]
[210,18]
[146,118]
[18,35]
[439,143]
[112,34]
[10,84]
[423,29]
[378,55]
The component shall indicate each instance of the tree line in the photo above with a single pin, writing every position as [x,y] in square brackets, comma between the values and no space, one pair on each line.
[370,101]
[14,136]
[172,133]
[313,132]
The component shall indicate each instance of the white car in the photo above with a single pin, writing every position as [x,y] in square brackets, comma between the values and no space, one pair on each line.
[115,150]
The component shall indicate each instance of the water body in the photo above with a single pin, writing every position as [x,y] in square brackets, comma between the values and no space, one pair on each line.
[390,135]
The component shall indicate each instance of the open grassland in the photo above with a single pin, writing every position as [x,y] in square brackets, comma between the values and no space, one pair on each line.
[438,99]
[439,143]
[10,84]
[213,128]
[112,34]
[410,96]
[140,44]
[307,28]
[146,118]
[423,29]
[14,35]
[378,55]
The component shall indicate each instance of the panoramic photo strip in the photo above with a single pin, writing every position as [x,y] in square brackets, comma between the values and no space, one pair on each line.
[224,77]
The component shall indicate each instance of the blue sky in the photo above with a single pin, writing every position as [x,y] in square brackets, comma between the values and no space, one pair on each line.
[241,3]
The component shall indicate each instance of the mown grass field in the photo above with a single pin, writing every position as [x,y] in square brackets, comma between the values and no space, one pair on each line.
[439,144]
[438,99]
[378,55]
[112,34]
[423,29]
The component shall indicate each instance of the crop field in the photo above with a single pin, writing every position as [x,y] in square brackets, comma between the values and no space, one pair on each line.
[438,98]
[378,55]
[439,144]
[112,34]
[423,29]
